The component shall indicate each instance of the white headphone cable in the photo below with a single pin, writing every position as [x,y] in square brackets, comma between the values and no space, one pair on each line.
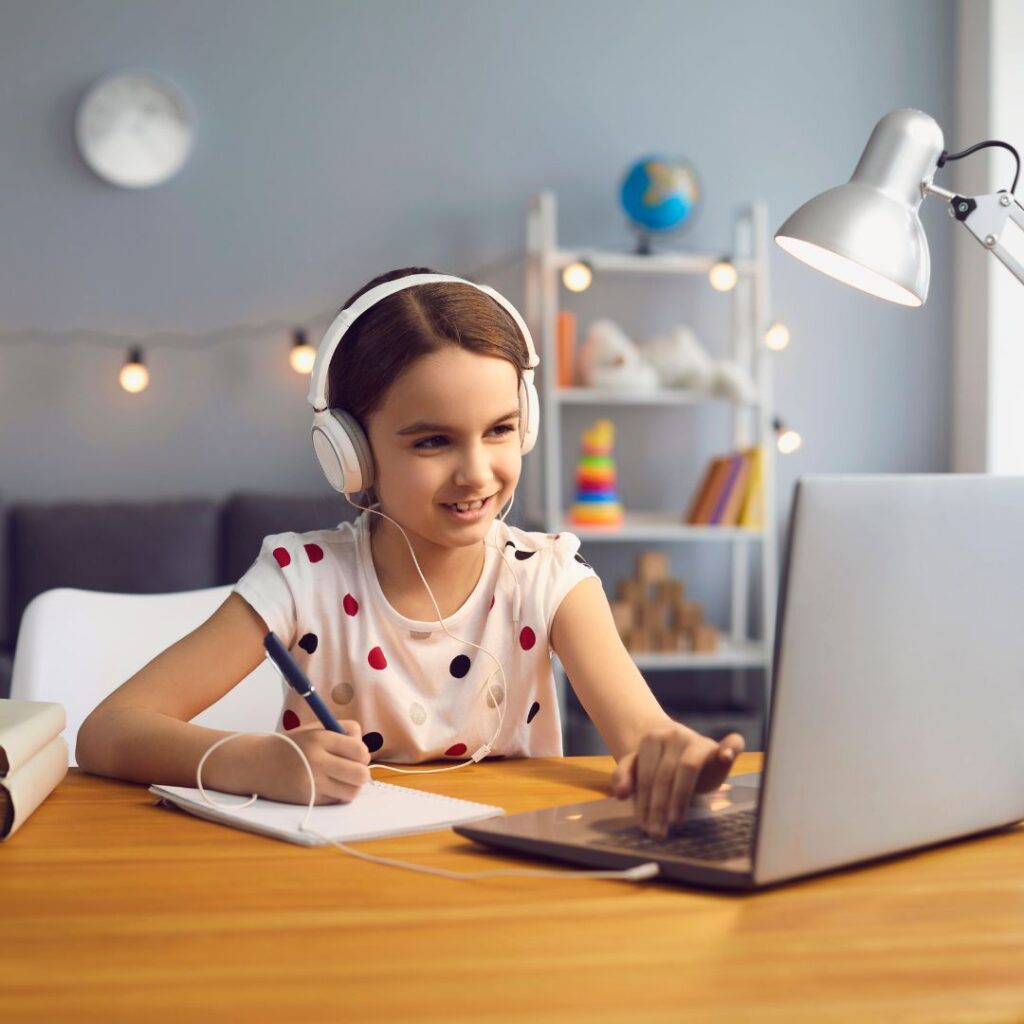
[639,873]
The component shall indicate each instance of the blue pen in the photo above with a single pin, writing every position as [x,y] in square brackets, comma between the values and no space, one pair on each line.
[299,681]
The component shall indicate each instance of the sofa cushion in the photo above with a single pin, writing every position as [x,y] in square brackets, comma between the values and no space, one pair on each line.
[248,518]
[125,547]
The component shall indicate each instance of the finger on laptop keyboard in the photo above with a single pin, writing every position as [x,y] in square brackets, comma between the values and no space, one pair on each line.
[717,767]
[624,776]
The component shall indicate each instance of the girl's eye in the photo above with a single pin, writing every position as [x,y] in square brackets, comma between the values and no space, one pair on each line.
[437,441]
[440,441]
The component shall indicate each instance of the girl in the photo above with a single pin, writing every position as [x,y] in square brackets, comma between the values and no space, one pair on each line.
[428,625]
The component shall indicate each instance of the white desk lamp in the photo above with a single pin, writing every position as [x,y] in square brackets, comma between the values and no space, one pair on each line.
[867,233]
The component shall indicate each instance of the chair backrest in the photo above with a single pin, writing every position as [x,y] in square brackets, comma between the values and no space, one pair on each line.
[76,646]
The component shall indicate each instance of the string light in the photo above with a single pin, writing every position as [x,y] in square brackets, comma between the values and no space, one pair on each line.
[723,276]
[777,337]
[578,275]
[787,440]
[302,354]
[134,377]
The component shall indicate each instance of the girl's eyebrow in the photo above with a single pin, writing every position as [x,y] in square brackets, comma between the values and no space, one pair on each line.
[422,427]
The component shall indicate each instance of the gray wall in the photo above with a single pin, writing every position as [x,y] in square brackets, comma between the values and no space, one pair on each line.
[339,139]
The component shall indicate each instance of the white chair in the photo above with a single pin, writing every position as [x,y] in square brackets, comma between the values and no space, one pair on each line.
[76,646]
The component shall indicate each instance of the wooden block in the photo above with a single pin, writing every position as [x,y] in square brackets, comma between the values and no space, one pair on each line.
[705,639]
[690,615]
[652,617]
[624,614]
[652,566]
[630,589]
[669,591]
[640,641]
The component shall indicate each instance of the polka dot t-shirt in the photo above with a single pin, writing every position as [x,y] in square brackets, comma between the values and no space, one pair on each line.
[417,694]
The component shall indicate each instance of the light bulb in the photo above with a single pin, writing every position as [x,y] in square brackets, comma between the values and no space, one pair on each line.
[577,276]
[777,337]
[134,377]
[788,441]
[302,355]
[723,276]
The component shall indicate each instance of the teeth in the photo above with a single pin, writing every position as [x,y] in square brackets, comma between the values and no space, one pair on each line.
[470,506]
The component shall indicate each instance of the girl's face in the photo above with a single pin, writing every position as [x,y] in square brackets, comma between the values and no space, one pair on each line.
[447,434]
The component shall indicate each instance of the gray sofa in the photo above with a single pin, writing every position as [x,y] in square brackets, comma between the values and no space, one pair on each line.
[139,547]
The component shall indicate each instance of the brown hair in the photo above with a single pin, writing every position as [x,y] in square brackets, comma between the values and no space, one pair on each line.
[402,328]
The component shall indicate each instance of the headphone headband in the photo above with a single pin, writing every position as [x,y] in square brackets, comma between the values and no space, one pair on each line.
[343,321]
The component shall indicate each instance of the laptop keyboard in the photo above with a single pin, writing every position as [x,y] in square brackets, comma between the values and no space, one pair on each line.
[720,838]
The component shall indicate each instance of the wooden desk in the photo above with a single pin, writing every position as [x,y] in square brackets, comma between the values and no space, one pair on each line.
[115,909]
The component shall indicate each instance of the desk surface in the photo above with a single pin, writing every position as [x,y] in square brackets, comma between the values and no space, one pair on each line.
[112,906]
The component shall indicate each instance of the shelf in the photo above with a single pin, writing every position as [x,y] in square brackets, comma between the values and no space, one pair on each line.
[655,263]
[730,654]
[663,396]
[659,526]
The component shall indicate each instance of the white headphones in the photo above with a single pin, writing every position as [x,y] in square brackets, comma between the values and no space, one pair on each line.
[341,446]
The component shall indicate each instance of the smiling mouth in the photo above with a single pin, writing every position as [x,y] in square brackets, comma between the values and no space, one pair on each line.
[467,506]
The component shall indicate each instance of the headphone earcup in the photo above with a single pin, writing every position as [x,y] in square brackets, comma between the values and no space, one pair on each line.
[343,451]
[529,412]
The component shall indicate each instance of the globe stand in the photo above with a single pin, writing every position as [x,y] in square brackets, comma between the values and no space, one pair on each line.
[643,243]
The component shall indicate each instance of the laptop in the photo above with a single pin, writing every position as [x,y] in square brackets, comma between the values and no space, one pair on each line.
[897,709]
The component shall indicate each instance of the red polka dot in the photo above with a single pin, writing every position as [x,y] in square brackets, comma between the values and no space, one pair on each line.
[456,751]
[290,720]
[350,604]
[491,605]
[527,638]
[282,556]
[314,551]
[376,659]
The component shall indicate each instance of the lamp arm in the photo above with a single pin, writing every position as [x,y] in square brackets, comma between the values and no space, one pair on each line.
[986,217]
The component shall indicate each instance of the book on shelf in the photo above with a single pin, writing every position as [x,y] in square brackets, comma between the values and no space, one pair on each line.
[729,491]
[752,513]
[714,484]
[566,348]
[33,758]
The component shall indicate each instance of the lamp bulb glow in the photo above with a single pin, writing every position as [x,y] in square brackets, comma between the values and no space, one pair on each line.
[302,355]
[577,276]
[723,276]
[788,441]
[134,377]
[777,337]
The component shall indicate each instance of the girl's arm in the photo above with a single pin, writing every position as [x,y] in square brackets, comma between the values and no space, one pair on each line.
[660,762]
[141,732]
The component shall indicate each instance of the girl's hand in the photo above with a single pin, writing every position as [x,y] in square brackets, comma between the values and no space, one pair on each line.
[667,768]
[339,765]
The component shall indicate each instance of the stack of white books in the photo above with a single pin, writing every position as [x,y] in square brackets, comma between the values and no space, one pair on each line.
[33,758]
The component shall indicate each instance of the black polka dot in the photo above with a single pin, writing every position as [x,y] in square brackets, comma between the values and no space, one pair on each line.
[579,558]
[524,555]
[374,741]
[309,643]
[533,712]
[459,666]
[510,544]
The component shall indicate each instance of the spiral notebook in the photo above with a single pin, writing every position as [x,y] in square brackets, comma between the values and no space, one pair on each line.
[379,810]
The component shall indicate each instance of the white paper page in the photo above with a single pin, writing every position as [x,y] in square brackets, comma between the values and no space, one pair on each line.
[379,810]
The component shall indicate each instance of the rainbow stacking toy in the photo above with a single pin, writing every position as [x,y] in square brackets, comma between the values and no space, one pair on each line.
[597,501]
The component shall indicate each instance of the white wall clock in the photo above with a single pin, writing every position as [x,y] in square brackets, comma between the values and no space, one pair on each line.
[134,129]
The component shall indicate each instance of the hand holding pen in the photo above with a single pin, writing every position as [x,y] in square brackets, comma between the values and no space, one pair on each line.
[336,754]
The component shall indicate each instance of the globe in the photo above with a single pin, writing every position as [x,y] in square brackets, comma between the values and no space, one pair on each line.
[659,194]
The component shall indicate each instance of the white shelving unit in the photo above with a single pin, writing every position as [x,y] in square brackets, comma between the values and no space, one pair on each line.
[751,422]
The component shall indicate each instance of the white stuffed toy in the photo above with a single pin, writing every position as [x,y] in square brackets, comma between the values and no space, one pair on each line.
[608,358]
[682,362]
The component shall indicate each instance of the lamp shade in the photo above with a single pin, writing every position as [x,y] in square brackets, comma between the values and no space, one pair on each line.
[868,233]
